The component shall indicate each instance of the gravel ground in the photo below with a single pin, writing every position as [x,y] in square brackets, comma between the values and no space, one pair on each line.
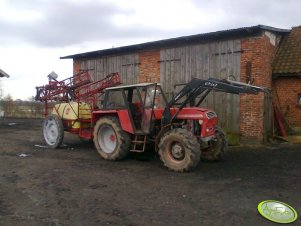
[74,186]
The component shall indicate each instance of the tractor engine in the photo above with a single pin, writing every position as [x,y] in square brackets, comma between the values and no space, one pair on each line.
[201,122]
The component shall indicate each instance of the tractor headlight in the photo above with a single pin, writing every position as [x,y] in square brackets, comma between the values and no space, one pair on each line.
[201,121]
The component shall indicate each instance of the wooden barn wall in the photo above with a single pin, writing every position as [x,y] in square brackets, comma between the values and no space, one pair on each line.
[219,60]
[126,65]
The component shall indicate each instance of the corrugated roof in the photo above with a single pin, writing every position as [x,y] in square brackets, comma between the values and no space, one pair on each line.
[3,74]
[288,58]
[205,37]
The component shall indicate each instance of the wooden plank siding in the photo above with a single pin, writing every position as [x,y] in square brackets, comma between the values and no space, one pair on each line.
[127,66]
[181,64]
[219,60]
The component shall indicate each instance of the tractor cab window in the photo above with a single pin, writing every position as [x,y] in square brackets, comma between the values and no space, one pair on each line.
[115,100]
[152,96]
[149,93]
[135,97]
[160,101]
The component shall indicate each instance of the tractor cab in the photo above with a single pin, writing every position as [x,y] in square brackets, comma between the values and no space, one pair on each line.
[139,101]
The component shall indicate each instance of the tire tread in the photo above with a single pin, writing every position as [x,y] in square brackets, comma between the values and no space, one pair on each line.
[192,149]
[122,136]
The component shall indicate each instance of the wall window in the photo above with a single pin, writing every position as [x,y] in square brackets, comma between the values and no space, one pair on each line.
[299,98]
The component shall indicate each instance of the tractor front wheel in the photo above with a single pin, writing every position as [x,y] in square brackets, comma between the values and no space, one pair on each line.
[216,147]
[111,142]
[179,150]
[53,131]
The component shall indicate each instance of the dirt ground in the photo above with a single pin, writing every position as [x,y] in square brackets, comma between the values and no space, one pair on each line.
[74,186]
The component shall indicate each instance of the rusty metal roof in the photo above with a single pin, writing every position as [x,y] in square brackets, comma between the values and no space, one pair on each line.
[3,74]
[192,39]
[288,57]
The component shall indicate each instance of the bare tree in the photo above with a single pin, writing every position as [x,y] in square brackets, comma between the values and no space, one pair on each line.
[8,105]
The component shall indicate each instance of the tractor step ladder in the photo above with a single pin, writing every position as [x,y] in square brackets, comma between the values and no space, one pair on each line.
[138,143]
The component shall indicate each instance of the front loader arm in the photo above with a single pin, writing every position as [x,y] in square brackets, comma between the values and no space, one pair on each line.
[234,87]
[202,87]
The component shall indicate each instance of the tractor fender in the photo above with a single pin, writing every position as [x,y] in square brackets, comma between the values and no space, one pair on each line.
[122,115]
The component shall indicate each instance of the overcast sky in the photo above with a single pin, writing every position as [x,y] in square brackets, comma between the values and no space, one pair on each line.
[35,33]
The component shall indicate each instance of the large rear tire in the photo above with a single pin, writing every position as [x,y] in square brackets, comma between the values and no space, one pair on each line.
[216,147]
[53,131]
[179,150]
[111,142]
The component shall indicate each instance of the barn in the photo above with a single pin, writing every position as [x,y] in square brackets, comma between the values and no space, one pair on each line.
[287,79]
[244,54]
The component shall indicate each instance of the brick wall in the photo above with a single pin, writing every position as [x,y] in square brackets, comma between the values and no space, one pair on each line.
[286,90]
[149,68]
[260,53]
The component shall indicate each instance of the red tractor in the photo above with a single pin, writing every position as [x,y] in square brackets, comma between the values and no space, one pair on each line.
[134,116]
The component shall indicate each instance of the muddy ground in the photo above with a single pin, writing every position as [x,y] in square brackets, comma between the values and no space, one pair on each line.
[74,186]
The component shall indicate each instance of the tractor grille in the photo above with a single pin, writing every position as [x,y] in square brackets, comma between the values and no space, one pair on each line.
[211,114]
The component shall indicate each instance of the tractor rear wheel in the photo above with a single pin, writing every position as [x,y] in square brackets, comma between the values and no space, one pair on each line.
[216,147]
[111,142]
[53,131]
[179,150]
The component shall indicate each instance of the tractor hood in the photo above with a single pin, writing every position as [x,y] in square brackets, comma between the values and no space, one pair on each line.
[193,113]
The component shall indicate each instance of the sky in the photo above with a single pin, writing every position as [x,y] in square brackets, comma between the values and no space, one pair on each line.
[34,34]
